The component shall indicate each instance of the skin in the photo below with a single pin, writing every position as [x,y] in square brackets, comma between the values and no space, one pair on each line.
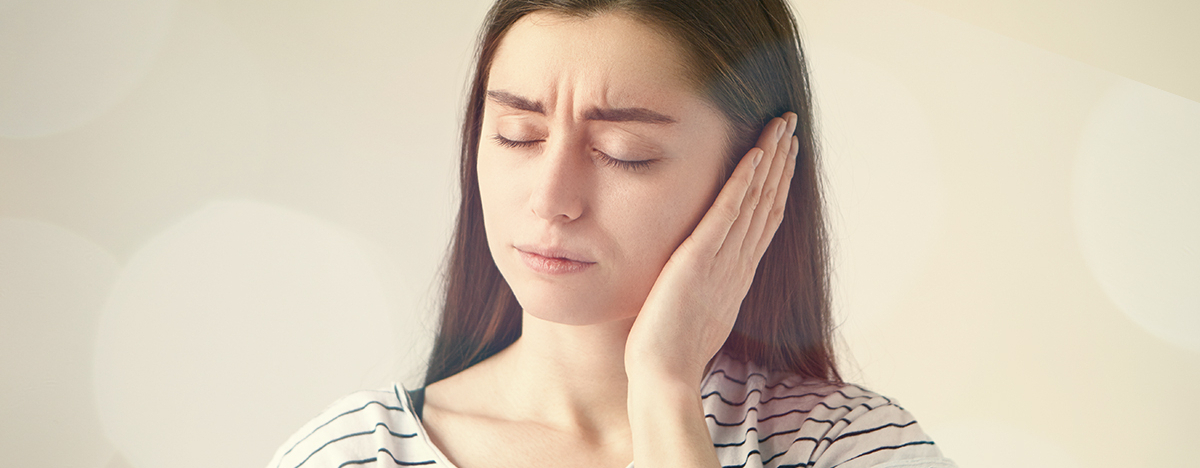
[608,366]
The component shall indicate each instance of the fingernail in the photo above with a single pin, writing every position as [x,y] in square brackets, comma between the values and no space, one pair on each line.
[758,158]
[782,128]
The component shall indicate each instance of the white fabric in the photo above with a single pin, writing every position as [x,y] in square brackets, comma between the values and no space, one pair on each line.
[755,418]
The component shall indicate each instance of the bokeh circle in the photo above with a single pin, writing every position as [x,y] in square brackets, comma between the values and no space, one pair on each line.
[228,330]
[1136,198]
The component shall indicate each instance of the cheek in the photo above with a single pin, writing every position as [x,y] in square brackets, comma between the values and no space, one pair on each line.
[663,217]
[495,191]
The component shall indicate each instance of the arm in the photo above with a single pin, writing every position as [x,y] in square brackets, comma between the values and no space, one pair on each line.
[694,303]
[667,422]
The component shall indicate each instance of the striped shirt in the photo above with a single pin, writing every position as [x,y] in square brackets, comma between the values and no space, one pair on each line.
[756,419]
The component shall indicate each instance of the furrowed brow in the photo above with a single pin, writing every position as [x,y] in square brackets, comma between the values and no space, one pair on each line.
[508,99]
[624,114]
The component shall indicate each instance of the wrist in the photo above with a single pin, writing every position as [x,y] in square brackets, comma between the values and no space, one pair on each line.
[664,377]
[666,417]
[656,372]
[655,399]
[659,381]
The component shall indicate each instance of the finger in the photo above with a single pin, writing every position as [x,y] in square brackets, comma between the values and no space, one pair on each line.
[777,212]
[768,143]
[770,190]
[713,229]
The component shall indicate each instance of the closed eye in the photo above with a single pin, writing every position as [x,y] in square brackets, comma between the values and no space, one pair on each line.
[624,163]
[610,161]
[505,142]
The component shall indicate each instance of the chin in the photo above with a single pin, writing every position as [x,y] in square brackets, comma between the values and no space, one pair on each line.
[571,309]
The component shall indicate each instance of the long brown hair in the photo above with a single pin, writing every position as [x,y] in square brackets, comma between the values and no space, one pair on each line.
[745,58]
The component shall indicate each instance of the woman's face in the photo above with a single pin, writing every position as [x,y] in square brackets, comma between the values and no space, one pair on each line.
[596,160]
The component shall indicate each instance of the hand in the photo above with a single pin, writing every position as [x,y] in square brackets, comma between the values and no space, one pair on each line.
[694,302]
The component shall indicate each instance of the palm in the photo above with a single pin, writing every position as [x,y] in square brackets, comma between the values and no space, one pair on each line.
[694,302]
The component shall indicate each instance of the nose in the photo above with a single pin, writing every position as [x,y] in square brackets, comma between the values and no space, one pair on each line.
[559,183]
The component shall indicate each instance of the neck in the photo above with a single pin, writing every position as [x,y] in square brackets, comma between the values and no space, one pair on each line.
[568,376]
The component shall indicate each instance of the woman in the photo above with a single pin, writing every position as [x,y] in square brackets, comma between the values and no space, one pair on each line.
[611,296]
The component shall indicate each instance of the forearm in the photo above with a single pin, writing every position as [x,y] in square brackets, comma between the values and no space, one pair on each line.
[667,421]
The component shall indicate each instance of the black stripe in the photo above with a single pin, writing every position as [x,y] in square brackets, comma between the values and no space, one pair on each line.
[822,395]
[780,454]
[752,452]
[865,431]
[880,449]
[737,444]
[817,442]
[789,431]
[394,460]
[765,462]
[844,436]
[810,439]
[356,434]
[743,421]
[773,416]
[416,399]
[416,403]
[789,446]
[754,374]
[302,439]
[358,462]
[798,465]
[819,383]
[889,400]
[773,434]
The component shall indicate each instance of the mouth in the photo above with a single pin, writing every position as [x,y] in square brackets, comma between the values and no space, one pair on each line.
[552,261]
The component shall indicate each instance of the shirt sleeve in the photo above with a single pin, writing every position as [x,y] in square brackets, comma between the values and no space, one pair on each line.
[878,434]
[360,429]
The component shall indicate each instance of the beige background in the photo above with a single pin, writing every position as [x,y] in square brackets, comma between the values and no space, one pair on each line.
[217,216]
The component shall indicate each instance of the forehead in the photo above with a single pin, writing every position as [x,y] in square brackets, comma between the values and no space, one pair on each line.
[610,56]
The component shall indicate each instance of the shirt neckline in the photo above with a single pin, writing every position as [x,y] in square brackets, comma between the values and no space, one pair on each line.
[441,458]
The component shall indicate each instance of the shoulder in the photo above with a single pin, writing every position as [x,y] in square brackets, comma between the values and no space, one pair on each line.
[359,428]
[765,418]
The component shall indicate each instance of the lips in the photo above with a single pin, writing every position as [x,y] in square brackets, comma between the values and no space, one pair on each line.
[552,261]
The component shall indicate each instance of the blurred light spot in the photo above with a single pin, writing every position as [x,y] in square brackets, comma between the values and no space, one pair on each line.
[1137,207]
[230,329]
[53,284]
[67,62]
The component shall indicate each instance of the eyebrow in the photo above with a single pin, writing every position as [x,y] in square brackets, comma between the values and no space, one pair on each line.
[516,102]
[624,114]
